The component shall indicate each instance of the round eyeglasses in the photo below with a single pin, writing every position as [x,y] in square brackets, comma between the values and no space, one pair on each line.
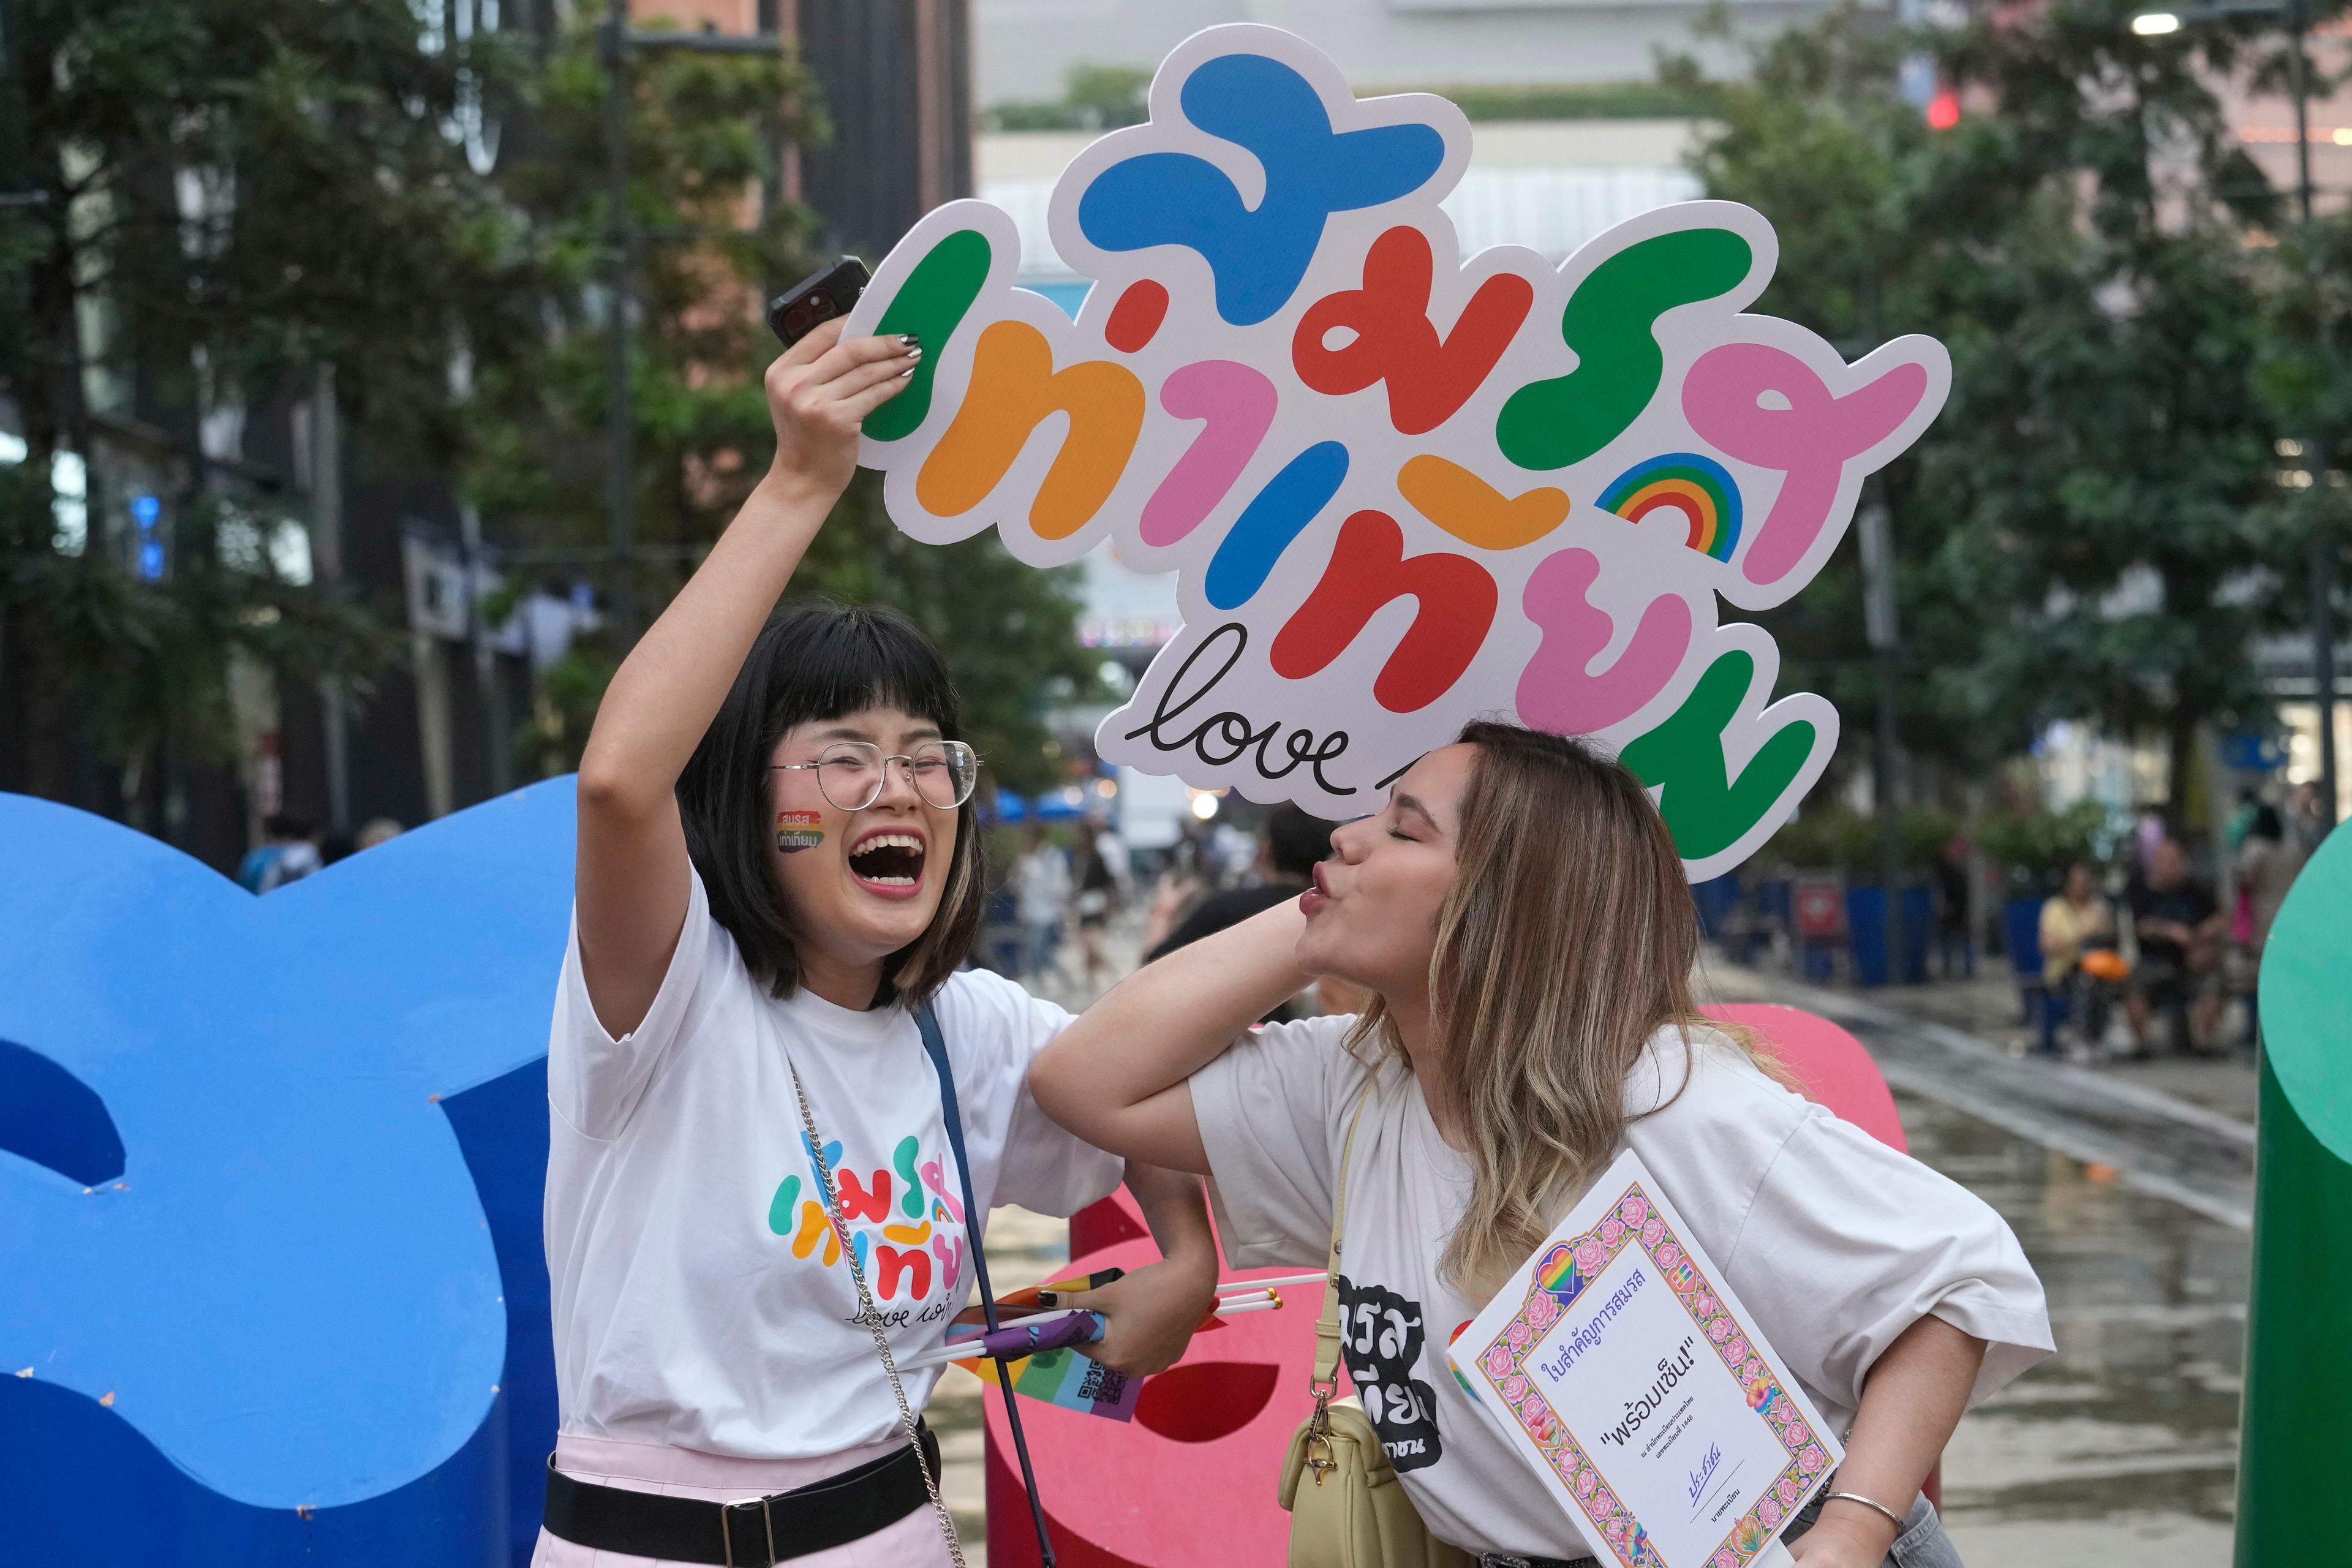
[850,774]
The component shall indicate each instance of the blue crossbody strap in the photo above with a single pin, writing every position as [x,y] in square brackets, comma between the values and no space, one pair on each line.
[935,1046]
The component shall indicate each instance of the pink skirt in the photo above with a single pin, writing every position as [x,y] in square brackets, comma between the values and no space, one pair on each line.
[913,1542]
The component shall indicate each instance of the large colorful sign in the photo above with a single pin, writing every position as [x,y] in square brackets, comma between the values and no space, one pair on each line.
[1399,490]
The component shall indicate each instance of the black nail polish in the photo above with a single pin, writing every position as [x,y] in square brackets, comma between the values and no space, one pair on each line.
[911,339]
[1049,1299]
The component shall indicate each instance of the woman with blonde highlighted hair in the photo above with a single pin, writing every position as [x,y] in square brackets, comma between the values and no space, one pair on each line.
[1519,915]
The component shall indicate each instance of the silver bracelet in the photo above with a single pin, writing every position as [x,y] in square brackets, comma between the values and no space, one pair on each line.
[1892,1518]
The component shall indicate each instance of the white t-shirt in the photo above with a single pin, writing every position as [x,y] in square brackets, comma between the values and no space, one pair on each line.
[699,1298]
[1835,1243]
[1041,879]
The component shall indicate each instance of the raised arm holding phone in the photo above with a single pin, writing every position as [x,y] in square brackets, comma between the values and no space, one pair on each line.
[758,1204]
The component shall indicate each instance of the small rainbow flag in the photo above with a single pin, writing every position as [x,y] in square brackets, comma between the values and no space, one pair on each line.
[1698,486]
[1072,1381]
[1063,1377]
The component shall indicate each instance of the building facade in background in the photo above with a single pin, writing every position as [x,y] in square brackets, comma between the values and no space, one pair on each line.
[1027,49]
[1550,184]
[443,725]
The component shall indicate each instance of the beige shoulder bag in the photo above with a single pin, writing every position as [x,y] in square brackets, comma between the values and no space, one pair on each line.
[1353,1511]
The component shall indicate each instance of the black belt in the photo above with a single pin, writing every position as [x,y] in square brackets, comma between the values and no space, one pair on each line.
[758,1530]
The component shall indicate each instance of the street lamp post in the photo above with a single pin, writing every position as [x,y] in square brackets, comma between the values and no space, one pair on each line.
[1878,603]
[2315,459]
[2296,15]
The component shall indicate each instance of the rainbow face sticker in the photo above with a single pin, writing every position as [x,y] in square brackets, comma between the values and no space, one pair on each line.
[799,830]
[1399,487]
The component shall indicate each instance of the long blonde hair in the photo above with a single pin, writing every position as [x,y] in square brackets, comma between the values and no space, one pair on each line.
[1567,941]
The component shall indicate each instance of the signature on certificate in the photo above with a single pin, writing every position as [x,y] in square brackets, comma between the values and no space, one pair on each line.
[1699,1477]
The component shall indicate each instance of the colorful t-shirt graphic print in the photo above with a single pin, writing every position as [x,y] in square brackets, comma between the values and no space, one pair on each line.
[1381,1338]
[906,1224]
[702,1298]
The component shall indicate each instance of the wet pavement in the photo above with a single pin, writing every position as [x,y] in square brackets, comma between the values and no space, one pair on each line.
[2102,1111]
[2120,1451]
[2128,1190]
[2130,1185]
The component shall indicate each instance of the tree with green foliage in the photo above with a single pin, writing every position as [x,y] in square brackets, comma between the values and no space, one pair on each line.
[2088,530]
[1010,630]
[702,130]
[209,203]
[2305,376]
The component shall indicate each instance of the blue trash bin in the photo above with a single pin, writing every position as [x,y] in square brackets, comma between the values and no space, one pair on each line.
[1865,919]
[2020,930]
[1718,900]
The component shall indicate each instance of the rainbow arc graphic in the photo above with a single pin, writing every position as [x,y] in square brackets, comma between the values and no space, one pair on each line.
[1696,486]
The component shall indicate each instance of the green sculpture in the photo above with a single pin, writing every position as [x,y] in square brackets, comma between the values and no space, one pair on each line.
[2297,1418]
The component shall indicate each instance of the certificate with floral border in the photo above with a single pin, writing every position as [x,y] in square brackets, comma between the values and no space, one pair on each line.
[1627,1372]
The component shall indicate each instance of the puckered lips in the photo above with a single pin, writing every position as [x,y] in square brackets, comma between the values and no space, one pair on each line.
[1317,896]
[889,860]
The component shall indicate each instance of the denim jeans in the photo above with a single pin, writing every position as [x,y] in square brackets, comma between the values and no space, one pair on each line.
[1922,1544]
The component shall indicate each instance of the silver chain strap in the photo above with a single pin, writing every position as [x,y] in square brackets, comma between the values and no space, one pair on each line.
[873,1318]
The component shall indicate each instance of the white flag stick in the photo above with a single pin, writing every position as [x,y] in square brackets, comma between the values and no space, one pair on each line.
[1228,1287]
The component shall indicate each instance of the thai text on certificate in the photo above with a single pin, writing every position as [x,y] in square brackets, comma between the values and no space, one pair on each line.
[1630,1375]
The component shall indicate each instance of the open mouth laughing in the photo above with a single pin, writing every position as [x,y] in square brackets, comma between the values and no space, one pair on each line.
[888,861]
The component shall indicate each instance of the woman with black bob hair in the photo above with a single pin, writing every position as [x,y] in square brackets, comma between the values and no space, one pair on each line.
[755,1209]
[818,662]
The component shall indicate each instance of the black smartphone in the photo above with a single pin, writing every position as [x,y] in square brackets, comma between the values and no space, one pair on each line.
[818,298]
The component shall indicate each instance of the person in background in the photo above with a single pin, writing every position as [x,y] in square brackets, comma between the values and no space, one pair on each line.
[343,846]
[288,851]
[2072,919]
[1115,856]
[2308,821]
[2264,867]
[2147,836]
[1097,893]
[2179,926]
[1041,888]
[1956,954]
[1286,853]
[2241,821]
[1235,851]
[1193,857]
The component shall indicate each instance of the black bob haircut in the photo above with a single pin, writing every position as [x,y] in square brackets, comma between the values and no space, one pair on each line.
[816,660]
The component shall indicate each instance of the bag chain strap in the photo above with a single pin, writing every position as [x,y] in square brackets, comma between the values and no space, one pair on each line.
[1323,1381]
[873,1318]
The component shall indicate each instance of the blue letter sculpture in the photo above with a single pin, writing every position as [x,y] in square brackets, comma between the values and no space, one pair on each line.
[270,1175]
